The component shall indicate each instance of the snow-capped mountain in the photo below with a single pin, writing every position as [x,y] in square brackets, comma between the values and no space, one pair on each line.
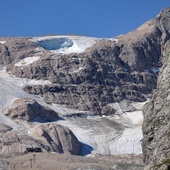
[78,95]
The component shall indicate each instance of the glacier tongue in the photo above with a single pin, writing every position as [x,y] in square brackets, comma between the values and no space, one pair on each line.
[119,134]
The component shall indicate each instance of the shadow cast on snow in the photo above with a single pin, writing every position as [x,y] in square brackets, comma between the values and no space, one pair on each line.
[86,149]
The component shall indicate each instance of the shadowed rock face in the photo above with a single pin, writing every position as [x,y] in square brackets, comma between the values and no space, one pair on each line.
[156,125]
[107,72]
[29,110]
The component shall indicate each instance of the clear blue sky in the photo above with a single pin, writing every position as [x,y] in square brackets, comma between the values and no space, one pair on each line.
[98,18]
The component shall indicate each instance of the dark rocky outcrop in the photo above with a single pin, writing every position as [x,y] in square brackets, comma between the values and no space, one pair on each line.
[156,125]
[30,110]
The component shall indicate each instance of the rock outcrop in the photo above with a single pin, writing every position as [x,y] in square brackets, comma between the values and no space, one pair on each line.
[48,137]
[58,138]
[13,143]
[156,125]
[30,110]
[4,128]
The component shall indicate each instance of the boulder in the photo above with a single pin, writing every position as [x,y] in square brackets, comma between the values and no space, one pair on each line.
[30,110]
[58,138]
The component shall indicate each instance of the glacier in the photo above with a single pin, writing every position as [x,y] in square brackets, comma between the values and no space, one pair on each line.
[65,44]
[55,43]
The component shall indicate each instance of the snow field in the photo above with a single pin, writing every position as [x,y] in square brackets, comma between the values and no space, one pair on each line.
[118,134]
[27,61]
[66,44]
[3,42]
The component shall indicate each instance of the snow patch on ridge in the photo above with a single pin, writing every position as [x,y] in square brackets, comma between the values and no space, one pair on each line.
[26,81]
[3,42]
[65,44]
[27,61]
[114,39]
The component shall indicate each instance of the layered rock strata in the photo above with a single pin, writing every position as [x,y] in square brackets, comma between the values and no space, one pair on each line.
[156,125]
[109,71]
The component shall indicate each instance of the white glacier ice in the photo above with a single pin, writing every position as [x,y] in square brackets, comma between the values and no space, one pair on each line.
[55,43]
[2,42]
[65,44]
[118,134]
[27,61]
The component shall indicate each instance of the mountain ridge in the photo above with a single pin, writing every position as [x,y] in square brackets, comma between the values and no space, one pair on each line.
[97,87]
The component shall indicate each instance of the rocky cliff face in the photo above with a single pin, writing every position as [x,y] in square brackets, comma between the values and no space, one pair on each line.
[109,71]
[74,77]
[156,125]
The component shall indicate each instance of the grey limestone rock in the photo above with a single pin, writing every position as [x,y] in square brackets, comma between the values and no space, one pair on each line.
[48,137]
[58,138]
[4,128]
[29,110]
[13,143]
[156,125]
